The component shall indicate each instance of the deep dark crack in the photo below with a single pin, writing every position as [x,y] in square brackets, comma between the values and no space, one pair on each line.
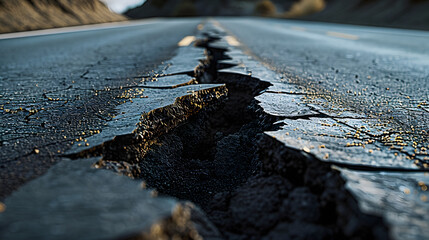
[214,151]
[250,185]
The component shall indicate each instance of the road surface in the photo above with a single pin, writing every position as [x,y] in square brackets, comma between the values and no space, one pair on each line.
[378,71]
[334,102]
[353,96]
[53,87]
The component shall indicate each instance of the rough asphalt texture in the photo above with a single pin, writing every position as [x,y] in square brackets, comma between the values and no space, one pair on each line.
[377,71]
[352,100]
[58,88]
[292,191]
[380,73]
[74,200]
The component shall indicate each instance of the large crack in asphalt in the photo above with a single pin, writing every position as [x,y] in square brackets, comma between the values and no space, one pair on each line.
[214,151]
[250,185]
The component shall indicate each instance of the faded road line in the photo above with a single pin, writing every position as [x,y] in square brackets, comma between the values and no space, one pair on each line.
[298,28]
[186,41]
[232,41]
[342,35]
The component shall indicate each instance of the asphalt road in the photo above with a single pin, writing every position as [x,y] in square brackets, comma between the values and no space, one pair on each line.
[332,85]
[380,72]
[60,85]
[356,97]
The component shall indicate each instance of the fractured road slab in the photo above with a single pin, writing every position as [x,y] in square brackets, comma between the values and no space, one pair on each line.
[73,200]
[57,88]
[347,137]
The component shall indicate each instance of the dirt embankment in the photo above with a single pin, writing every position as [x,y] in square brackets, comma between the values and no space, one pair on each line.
[412,14]
[184,8]
[26,15]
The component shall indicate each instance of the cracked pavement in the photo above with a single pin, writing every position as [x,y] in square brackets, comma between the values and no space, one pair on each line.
[345,102]
[336,102]
[58,89]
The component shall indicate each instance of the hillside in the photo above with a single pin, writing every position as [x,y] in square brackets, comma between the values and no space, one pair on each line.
[412,14]
[23,15]
[398,13]
[173,8]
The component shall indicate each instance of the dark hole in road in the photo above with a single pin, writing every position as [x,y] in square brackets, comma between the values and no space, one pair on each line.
[250,185]
[215,151]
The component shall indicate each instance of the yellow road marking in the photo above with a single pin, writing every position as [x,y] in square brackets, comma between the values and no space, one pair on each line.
[298,29]
[2,207]
[186,41]
[342,35]
[232,41]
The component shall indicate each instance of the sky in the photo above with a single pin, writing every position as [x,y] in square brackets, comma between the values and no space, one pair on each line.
[121,6]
